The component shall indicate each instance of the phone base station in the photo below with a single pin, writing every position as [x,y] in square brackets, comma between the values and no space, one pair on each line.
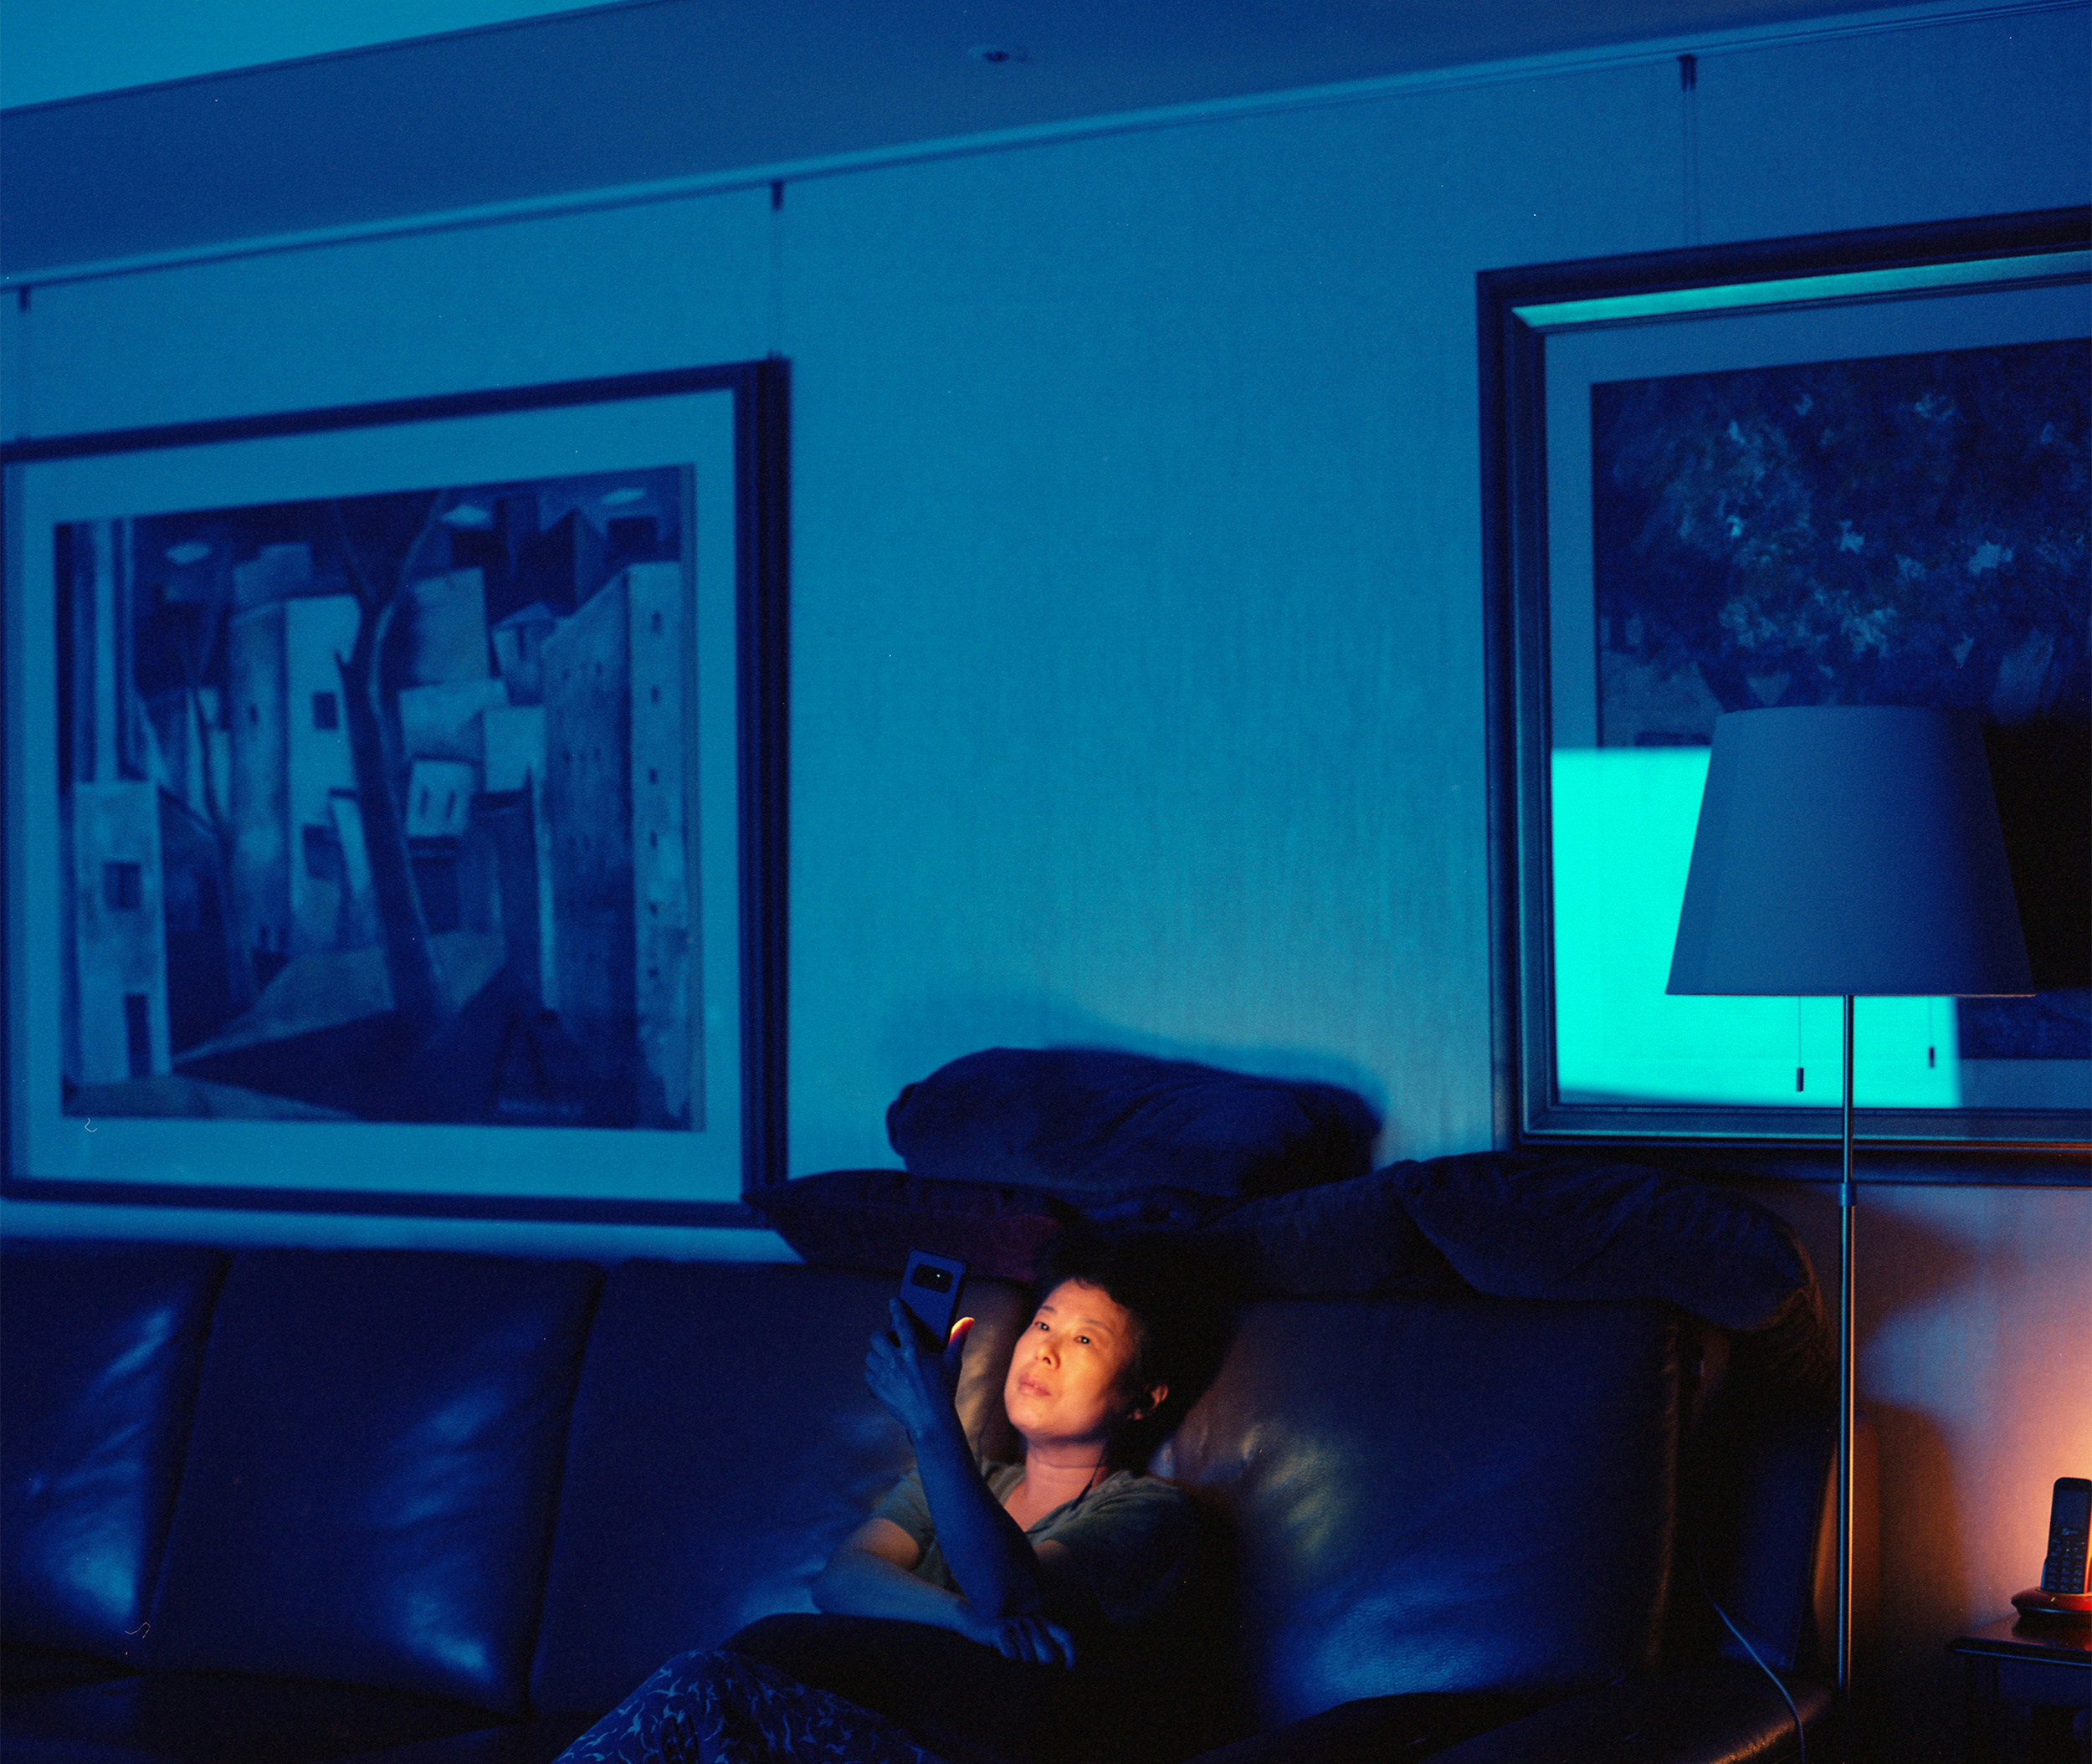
[2066,1608]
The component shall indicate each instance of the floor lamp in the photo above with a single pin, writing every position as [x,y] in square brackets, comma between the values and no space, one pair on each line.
[1848,851]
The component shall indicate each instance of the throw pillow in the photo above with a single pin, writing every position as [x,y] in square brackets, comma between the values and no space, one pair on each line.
[1082,1123]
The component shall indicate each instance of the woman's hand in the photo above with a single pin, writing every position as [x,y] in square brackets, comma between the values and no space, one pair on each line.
[1033,1640]
[913,1382]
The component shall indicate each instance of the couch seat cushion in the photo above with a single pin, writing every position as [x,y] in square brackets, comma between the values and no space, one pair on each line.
[538,1741]
[53,1668]
[216,1718]
[1381,1727]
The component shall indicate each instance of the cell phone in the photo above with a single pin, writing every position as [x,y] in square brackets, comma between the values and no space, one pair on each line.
[2069,1519]
[930,1287]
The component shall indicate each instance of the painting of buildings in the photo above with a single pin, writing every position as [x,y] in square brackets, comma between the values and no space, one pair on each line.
[375,808]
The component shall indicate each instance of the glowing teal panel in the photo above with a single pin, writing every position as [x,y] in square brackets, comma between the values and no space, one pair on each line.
[1851,285]
[1623,821]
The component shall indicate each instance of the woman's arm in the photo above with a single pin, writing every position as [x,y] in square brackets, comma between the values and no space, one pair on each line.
[869,1575]
[987,1551]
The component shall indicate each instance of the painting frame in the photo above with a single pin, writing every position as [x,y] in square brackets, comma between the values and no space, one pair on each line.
[1528,318]
[737,416]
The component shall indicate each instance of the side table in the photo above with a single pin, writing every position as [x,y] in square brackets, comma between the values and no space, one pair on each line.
[2043,1668]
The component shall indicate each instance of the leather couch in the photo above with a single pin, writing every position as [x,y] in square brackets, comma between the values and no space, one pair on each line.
[442,1508]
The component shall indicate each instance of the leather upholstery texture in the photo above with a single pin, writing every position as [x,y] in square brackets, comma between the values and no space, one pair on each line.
[1443,1494]
[1767,1503]
[723,1444]
[1389,1727]
[1720,1713]
[369,1492]
[440,1509]
[99,1349]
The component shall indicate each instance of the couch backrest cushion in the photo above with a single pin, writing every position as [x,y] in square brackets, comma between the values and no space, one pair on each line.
[1443,1494]
[723,1443]
[1534,1225]
[373,1470]
[101,1347]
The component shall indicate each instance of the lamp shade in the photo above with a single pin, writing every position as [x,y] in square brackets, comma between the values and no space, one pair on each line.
[1849,850]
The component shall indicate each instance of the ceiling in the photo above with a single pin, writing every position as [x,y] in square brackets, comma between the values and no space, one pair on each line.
[68,48]
[681,89]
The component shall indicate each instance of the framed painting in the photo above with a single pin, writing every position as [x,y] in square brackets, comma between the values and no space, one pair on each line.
[395,805]
[1848,469]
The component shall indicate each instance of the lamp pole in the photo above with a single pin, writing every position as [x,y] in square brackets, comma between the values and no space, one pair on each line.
[1844,851]
[1846,1366]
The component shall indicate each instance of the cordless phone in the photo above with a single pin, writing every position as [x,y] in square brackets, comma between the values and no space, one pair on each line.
[2063,1596]
[2070,1518]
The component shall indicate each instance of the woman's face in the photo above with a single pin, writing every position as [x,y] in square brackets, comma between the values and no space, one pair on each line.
[1068,1382]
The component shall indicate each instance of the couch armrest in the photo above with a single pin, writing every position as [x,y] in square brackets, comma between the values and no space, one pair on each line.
[1723,1712]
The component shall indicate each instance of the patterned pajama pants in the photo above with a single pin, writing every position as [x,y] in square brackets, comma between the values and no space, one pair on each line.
[714,1708]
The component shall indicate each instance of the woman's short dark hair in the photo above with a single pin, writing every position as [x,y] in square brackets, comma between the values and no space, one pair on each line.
[1175,1299]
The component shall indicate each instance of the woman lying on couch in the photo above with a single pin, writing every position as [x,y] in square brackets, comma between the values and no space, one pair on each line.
[1006,1602]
